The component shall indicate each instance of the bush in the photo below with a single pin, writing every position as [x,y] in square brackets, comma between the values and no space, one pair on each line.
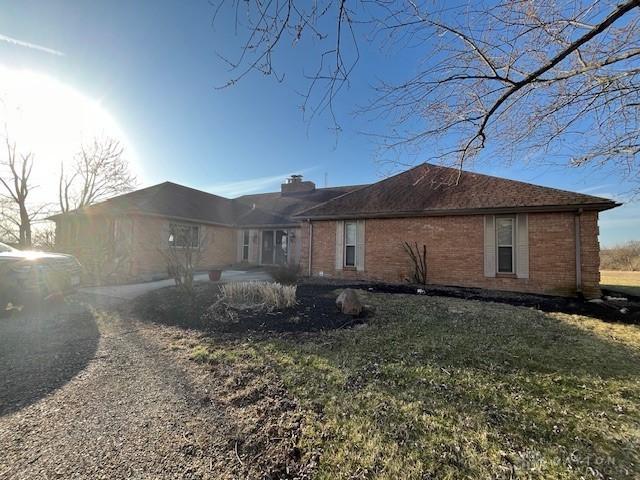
[286,274]
[250,296]
[258,295]
[621,257]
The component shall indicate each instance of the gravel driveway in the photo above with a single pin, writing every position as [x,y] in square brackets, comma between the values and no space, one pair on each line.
[124,404]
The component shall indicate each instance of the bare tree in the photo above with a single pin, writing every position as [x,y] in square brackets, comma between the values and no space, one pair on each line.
[100,170]
[184,255]
[559,78]
[16,184]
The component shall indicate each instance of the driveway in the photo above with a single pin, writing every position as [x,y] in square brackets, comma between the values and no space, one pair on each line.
[89,392]
[131,291]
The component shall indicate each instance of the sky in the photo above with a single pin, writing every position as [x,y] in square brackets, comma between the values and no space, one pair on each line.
[148,73]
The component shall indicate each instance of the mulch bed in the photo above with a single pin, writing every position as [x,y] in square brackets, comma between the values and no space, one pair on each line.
[608,311]
[315,310]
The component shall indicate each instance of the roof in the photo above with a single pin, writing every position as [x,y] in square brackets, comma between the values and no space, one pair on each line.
[177,201]
[433,189]
[273,208]
[169,200]
[424,189]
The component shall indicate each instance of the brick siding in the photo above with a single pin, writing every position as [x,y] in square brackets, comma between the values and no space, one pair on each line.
[455,252]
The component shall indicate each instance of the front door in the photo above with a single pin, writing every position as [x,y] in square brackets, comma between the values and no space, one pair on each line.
[267,247]
[282,246]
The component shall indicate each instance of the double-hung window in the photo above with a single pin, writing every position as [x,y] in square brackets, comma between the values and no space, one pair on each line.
[350,234]
[245,245]
[505,236]
[184,236]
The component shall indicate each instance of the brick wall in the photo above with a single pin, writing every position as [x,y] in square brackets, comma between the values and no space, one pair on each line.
[150,241]
[455,252]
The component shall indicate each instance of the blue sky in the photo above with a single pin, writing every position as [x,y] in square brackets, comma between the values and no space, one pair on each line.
[153,67]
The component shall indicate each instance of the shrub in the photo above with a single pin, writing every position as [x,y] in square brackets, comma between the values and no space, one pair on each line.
[252,296]
[286,274]
[258,295]
[621,257]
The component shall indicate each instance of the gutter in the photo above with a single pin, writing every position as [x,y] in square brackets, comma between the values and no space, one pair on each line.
[310,246]
[578,251]
[463,211]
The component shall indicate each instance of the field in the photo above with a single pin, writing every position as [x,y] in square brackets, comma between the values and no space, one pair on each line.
[625,282]
[447,388]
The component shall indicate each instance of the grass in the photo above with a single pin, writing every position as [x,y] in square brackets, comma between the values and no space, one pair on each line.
[625,282]
[268,295]
[446,388]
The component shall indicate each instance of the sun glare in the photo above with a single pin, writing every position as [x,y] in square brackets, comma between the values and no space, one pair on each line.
[50,119]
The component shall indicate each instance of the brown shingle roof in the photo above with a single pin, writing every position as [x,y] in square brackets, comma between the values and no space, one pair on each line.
[275,208]
[170,200]
[429,188]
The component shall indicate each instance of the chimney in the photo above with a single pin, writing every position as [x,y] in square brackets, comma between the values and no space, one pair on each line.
[295,184]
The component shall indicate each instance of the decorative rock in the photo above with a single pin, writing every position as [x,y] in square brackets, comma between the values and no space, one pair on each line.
[349,303]
[615,299]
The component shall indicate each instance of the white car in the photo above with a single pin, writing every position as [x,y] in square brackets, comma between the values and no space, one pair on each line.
[28,272]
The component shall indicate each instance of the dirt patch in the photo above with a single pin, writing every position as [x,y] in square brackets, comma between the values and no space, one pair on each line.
[314,311]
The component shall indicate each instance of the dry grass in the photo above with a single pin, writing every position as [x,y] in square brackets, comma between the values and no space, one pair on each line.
[258,295]
[625,282]
[448,388]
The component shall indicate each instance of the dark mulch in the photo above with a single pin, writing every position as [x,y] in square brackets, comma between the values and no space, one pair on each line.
[609,311]
[315,311]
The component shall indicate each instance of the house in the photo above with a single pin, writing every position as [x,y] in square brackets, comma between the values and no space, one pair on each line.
[479,230]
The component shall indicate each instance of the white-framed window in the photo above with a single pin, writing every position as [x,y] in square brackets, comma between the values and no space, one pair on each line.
[505,244]
[350,237]
[183,236]
[245,245]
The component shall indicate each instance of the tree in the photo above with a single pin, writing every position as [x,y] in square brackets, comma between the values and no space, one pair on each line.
[559,78]
[99,171]
[16,185]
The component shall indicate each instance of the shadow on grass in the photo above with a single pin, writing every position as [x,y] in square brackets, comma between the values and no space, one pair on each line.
[41,349]
[453,388]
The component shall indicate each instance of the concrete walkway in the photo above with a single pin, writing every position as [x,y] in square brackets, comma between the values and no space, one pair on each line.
[131,291]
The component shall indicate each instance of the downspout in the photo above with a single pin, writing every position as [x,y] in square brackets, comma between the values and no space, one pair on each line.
[578,252]
[310,244]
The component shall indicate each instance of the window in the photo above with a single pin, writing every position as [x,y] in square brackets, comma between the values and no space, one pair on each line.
[245,245]
[183,236]
[350,244]
[505,227]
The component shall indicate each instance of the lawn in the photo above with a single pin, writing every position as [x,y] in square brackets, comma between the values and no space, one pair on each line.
[445,388]
[625,282]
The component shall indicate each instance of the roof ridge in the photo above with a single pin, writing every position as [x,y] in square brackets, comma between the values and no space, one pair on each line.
[512,180]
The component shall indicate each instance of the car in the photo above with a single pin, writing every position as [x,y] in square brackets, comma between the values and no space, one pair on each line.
[33,274]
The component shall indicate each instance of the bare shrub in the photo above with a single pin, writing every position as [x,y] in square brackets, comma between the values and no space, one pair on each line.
[250,296]
[418,258]
[621,257]
[267,296]
[286,274]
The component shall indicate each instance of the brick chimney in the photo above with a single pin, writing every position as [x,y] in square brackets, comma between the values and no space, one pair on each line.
[295,184]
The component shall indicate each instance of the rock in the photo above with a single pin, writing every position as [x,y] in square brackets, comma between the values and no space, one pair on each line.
[615,299]
[349,303]
[624,310]
[421,291]
[596,300]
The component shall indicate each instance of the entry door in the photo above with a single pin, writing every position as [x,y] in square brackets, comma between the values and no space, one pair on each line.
[267,247]
[281,247]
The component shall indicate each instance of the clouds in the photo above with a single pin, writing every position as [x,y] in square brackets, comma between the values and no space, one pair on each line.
[254,185]
[32,46]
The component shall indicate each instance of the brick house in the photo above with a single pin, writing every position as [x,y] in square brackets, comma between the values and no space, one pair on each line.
[479,231]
